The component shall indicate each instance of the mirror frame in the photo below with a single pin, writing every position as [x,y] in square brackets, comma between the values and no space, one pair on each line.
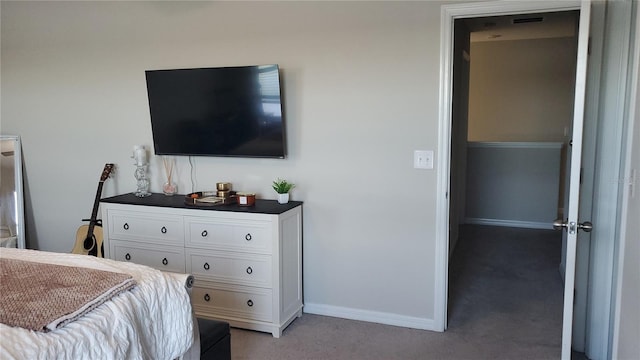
[17,157]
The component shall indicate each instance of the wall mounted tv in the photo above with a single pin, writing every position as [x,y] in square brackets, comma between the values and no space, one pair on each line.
[226,111]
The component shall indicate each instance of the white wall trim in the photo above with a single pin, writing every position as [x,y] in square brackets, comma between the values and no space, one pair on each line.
[370,316]
[507,7]
[448,15]
[509,223]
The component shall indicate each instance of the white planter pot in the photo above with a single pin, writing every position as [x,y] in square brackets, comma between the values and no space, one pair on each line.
[283,198]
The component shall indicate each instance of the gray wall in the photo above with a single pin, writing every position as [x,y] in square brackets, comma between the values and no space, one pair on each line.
[360,83]
[513,184]
[521,90]
[459,130]
[627,325]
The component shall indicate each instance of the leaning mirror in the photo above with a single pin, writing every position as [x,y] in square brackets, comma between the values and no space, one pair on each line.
[11,196]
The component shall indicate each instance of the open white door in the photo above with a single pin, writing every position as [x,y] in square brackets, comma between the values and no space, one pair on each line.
[572,224]
[496,8]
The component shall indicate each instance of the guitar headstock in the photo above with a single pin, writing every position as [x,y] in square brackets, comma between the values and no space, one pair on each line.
[106,171]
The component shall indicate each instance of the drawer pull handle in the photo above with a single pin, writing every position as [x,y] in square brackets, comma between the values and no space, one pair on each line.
[248,237]
[249,270]
[207,298]
[128,257]
[204,233]
[126,226]
[163,230]
[165,261]
[250,302]
[206,266]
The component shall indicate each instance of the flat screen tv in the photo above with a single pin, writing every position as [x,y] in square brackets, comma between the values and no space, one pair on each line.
[226,111]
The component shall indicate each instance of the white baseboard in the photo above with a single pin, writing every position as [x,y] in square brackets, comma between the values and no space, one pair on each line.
[510,223]
[370,316]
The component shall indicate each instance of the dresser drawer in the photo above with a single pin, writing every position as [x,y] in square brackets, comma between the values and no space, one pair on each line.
[146,227]
[233,268]
[165,258]
[247,236]
[255,304]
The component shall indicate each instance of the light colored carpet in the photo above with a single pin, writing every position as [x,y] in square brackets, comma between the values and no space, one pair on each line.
[505,303]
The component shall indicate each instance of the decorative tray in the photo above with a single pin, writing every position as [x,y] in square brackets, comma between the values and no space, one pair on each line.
[208,198]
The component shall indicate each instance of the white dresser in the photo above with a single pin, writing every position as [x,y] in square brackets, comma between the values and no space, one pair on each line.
[246,261]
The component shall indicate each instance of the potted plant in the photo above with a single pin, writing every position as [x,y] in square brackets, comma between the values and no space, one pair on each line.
[282,187]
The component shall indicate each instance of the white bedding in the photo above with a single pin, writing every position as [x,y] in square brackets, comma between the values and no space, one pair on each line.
[152,321]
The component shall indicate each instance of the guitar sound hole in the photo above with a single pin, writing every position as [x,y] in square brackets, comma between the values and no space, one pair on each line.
[89,243]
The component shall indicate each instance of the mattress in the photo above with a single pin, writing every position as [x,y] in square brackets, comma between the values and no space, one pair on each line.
[154,320]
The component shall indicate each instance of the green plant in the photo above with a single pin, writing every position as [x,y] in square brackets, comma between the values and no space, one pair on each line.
[282,186]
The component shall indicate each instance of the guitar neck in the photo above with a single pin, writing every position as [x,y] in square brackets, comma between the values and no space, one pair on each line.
[94,212]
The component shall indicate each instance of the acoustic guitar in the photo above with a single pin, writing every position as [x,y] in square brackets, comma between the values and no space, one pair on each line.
[89,237]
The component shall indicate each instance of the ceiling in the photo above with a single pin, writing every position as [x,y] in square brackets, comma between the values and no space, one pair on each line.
[524,26]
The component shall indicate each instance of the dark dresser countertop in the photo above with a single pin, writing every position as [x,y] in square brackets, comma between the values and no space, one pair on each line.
[178,201]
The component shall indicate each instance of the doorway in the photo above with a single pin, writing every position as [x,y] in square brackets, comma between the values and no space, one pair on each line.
[513,92]
[450,201]
[607,80]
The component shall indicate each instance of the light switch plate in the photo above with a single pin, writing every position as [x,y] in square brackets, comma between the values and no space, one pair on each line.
[423,159]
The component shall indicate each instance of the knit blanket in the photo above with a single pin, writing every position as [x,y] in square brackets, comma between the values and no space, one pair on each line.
[43,297]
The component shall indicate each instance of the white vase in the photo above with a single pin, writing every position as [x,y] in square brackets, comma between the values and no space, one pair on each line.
[283,198]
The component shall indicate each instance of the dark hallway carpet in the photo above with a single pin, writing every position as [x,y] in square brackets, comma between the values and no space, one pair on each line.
[505,287]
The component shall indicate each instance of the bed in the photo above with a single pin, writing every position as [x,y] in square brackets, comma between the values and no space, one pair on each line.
[153,319]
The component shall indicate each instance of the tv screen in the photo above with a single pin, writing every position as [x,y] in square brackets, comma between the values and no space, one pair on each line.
[227,111]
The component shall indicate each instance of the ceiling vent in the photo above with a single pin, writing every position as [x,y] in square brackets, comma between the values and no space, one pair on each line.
[528,20]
